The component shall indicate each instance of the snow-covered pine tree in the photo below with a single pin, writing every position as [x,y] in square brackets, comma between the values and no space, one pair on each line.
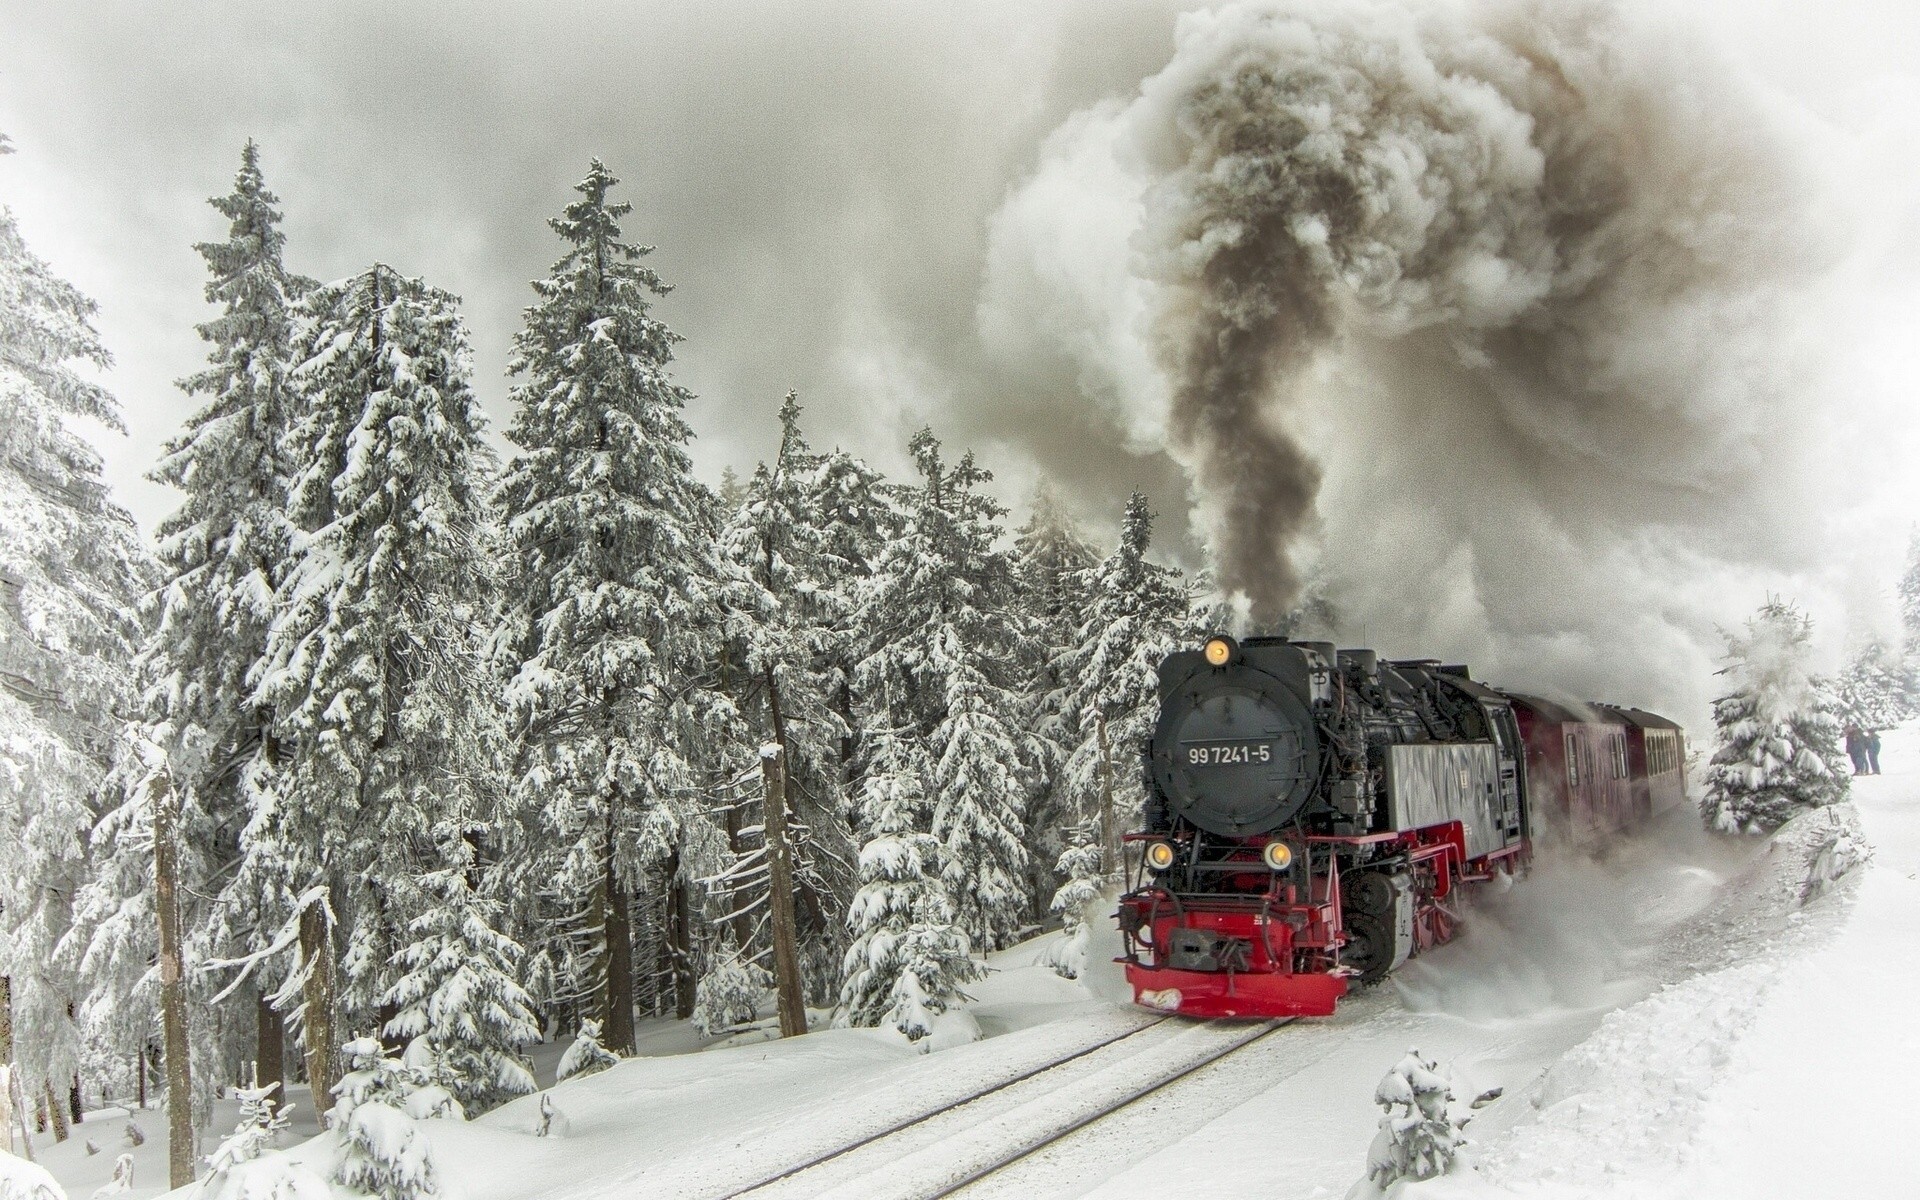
[1082,864]
[1136,613]
[585,1055]
[1910,600]
[783,538]
[261,1121]
[1779,741]
[948,644]
[374,655]
[731,990]
[458,993]
[1419,1138]
[1878,689]
[1051,565]
[609,645]
[382,1151]
[222,555]
[909,959]
[71,571]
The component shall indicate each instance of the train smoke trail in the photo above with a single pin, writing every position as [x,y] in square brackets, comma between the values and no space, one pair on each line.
[1377,242]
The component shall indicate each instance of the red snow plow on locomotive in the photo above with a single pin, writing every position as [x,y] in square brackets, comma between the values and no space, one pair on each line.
[1311,813]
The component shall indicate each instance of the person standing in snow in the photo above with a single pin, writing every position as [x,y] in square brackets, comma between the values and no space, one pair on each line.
[1873,751]
[1857,749]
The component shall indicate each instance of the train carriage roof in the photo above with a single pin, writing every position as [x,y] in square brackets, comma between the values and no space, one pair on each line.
[1569,712]
[1640,717]
[1574,712]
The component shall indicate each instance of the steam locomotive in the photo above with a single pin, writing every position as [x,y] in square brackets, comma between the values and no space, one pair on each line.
[1311,814]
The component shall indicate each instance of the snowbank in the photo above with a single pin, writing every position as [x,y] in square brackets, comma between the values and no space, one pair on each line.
[1781,1074]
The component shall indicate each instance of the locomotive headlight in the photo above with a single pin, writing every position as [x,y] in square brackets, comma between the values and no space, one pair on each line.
[1219,651]
[1277,855]
[1159,855]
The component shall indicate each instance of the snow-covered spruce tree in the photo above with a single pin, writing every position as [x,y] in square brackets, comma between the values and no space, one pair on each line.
[261,1122]
[1136,613]
[948,644]
[374,673]
[908,960]
[1083,866]
[222,555]
[458,994]
[1419,1137]
[382,1150]
[1878,689]
[730,992]
[1779,741]
[1910,600]
[788,541]
[585,1055]
[609,645]
[71,571]
[1051,565]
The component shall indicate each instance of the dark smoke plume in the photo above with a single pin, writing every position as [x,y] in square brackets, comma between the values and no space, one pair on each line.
[1592,236]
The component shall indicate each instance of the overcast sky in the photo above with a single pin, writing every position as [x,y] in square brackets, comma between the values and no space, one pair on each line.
[819,179]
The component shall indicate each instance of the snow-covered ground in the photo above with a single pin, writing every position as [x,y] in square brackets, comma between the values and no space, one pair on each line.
[1669,1021]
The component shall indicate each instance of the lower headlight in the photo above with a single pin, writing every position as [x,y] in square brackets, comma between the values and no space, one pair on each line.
[1159,855]
[1277,855]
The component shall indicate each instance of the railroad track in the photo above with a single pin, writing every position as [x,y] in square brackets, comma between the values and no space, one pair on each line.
[943,1151]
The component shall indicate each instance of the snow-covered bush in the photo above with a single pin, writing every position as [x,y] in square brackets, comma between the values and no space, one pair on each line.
[273,1177]
[1778,737]
[1842,847]
[382,1150]
[1074,901]
[260,1123]
[1419,1137]
[122,1181]
[22,1180]
[586,1055]
[730,992]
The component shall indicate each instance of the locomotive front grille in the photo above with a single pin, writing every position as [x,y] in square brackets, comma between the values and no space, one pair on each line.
[1203,950]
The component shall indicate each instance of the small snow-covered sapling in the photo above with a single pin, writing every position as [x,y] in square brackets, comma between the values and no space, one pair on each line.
[1418,1138]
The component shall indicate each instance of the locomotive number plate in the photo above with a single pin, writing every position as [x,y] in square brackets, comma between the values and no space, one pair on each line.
[1226,754]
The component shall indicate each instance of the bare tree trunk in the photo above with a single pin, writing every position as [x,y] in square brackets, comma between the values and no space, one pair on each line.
[1110,846]
[140,1077]
[57,1114]
[269,1046]
[786,957]
[618,923]
[316,951]
[680,939]
[6,1107]
[173,984]
[19,1100]
[74,1102]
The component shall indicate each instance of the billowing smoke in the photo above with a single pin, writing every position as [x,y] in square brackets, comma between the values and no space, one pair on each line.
[1486,322]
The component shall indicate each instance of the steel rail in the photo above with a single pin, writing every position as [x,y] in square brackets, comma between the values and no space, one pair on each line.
[1038,1144]
[923,1118]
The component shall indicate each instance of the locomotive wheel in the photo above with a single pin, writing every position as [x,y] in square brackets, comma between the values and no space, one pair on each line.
[1368,892]
[1369,948]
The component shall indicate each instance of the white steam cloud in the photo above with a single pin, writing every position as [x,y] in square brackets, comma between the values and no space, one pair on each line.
[1493,325]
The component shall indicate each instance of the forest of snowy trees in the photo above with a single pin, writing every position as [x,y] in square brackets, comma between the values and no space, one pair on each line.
[458,753]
